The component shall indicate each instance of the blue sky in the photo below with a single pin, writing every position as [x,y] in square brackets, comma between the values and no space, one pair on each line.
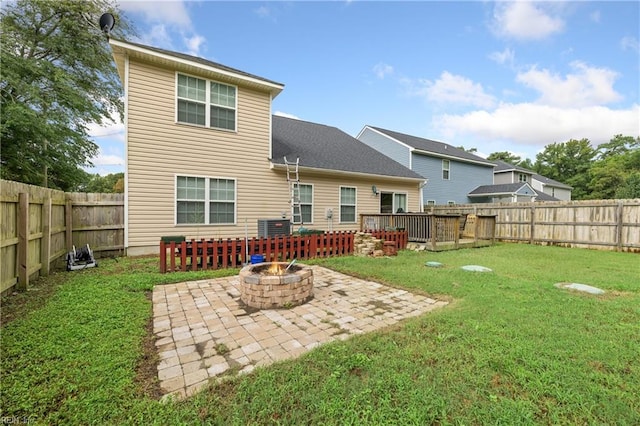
[497,76]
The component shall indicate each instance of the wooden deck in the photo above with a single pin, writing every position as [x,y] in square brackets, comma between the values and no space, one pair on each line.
[436,232]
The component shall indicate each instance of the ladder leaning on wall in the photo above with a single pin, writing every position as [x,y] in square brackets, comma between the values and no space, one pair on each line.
[293,178]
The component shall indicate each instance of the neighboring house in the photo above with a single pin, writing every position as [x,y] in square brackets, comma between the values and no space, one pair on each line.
[546,189]
[204,155]
[503,193]
[452,173]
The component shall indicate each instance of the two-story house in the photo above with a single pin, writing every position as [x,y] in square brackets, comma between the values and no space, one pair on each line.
[205,155]
[452,172]
[545,189]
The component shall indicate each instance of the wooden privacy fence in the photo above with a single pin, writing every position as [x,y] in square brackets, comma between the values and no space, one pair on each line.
[233,253]
[40,225]
[593,224]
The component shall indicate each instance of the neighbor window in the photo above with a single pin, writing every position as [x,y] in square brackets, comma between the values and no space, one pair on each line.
[347,204]
[205,201]
[522,177]
[305,213]
[206,103]
[431,202]
[451,203]
[445,169]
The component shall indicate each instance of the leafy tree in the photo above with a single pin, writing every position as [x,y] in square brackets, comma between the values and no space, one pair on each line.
[619,145]
[113,182]
[613,174]
[505,156]
[630,188]
[58,77]
[526,164]
[568,162]
[471,150]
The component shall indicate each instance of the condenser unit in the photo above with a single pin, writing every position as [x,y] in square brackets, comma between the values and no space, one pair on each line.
[273,227]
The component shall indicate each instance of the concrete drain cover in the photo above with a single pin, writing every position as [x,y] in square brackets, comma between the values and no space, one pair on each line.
[434,264]
[581,287]
[476,268]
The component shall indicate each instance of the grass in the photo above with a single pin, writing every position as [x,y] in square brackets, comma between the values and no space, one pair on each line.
[510,349]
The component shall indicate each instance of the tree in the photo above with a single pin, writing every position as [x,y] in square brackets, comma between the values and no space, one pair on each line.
[471,150]
[113,182]
[58,77]
[568,162]
[630,188]
[505,156]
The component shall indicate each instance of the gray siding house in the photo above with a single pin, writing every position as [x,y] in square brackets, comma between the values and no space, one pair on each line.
[545,188]
[452,173]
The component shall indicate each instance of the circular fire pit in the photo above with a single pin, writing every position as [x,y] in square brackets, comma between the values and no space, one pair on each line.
[268,286]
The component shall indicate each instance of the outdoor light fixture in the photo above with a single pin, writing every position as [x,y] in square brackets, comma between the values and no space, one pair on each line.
[374,190]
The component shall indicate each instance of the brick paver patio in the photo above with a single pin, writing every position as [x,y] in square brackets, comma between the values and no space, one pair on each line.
[203,329]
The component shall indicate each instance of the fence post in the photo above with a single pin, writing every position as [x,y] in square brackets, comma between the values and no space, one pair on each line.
[619,225]
[532,228]
[68,223]
[23,241]
[45,242]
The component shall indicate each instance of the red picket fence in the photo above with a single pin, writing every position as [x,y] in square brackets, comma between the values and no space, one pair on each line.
[201,254]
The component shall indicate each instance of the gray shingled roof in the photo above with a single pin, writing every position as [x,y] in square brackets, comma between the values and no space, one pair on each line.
[502,188]
[545,197]
[201,61]
[325,147]
[434,147]
[503,166]
[551,182]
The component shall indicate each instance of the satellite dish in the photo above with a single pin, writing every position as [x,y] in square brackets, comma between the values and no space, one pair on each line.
[107,22]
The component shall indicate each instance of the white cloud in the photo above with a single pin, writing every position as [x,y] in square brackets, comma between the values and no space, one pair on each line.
[169,12]
[455,89]
[193,44]
[586,86]
[113,131]
[630,43]
[525,20]
[595,16]
[286,115]
[540,125]
[507,56]
[164,20]
[382,70]
[263,12]
[108,160]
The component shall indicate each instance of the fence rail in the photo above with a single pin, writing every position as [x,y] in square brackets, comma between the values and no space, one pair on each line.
[593,224]
[233,253]
[40,225]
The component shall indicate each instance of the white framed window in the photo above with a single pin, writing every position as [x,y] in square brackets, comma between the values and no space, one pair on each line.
[205,103]
[399,202]
[431,202]
[348,204]
[305,214]
[446,165]
[522,177]
[451,203]
[205,201]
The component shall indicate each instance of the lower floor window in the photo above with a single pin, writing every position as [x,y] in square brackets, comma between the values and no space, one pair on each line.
[347,204]
[205,201]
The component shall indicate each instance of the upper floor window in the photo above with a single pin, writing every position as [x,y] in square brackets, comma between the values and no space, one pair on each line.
[206,103]
[205,201]
[522,177]
[347,204]
[446,164]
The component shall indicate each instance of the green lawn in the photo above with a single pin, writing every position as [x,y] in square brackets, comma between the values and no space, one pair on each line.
[510,349]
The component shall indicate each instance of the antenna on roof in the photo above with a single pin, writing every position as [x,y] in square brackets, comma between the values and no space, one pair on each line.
[107,22]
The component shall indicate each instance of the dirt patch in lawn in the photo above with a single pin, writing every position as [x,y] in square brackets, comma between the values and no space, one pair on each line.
[147,368]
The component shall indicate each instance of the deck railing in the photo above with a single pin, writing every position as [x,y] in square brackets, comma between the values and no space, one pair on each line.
[432,228]
[233,253]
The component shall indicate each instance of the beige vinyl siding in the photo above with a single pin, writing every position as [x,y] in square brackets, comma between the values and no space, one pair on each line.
[159,149]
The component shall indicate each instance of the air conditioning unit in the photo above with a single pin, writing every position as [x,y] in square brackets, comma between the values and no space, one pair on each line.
[273,227]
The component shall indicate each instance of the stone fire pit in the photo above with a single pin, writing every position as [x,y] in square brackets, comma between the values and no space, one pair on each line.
[267,286]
